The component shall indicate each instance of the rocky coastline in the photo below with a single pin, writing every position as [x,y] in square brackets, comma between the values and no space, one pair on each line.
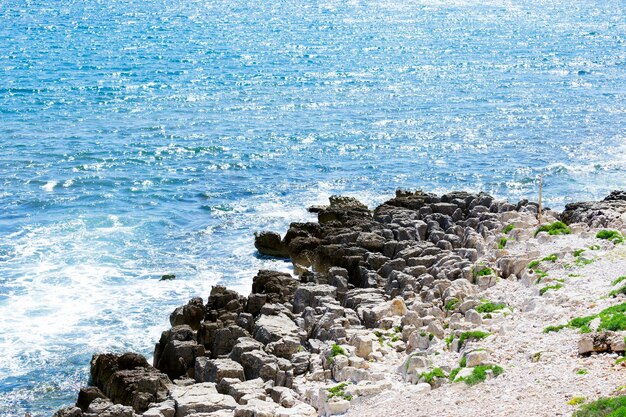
[382,300]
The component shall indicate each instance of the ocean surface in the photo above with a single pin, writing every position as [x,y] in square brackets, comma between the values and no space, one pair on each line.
[139,138]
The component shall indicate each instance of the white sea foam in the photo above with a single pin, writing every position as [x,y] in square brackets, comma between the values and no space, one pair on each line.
[49,186]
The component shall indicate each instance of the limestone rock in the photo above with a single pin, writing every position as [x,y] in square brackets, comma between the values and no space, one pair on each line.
[200,398]
[214,370]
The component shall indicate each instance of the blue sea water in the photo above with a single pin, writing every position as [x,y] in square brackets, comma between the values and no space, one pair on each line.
[140,138]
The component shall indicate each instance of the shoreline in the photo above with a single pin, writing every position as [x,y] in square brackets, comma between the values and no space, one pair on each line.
[384,303]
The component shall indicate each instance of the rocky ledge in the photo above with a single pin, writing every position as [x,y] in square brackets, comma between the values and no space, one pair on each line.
[380,297]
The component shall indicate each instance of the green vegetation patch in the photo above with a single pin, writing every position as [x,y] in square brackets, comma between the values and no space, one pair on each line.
[472,335]
[554,328]
[604,407]
[612,319]
[618,280]
[620,290]
[551,258]
[430,376]
[533,264]
[336,350]
[611,235]
[479,374]
[508,229]
[576,401]
[489,307]
[452,304]
[582,371]
[339,391]
[556,228]
[484,272]
[578,252]
[502,242]
[547,288]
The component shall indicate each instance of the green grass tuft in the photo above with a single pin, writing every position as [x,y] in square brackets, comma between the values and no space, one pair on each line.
[576,401]
[620,290]
[484,272]
[452,304]
[479,374]
[554,328]
[336,350]
[508,229]
[611,235]
[339,391]
[578,252]
[582,371]
[550,287]
[618,280]
[454,373]
[556,228]
[551,258]
[604,407]
[489,307]
[502,242]
[430,376]
[533,264]
[472,335]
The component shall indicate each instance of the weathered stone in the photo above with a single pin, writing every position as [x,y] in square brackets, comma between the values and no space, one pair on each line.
[305,295]
[270,243]
[213,370]
[190,314]
[129,380]
[86,395]
[269,329]
[200,398]
[477,357]
[244,344]
[277,286]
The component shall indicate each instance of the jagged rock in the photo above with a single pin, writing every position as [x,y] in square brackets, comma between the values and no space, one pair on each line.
[69,412]
[129,380]
[269,329]
[257,364]
[256,408]
[278,287]
[190,314]
[214,370]
[238,389]
[163,409]
[104,408]
[610,212]
[176,352]
[364,344]
[86,395]
[305,295]
[244,344]
[600,342]
[270,243]
[372,315]
[477,357]
[200,398]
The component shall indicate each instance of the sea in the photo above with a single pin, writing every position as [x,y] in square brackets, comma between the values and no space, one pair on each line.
[142,138]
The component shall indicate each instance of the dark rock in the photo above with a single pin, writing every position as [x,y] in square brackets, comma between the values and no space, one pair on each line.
[68,412]
[176,352]
[129,380]
[167,277]
[86,395]
[270,243]
[190,314]
[277,286]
